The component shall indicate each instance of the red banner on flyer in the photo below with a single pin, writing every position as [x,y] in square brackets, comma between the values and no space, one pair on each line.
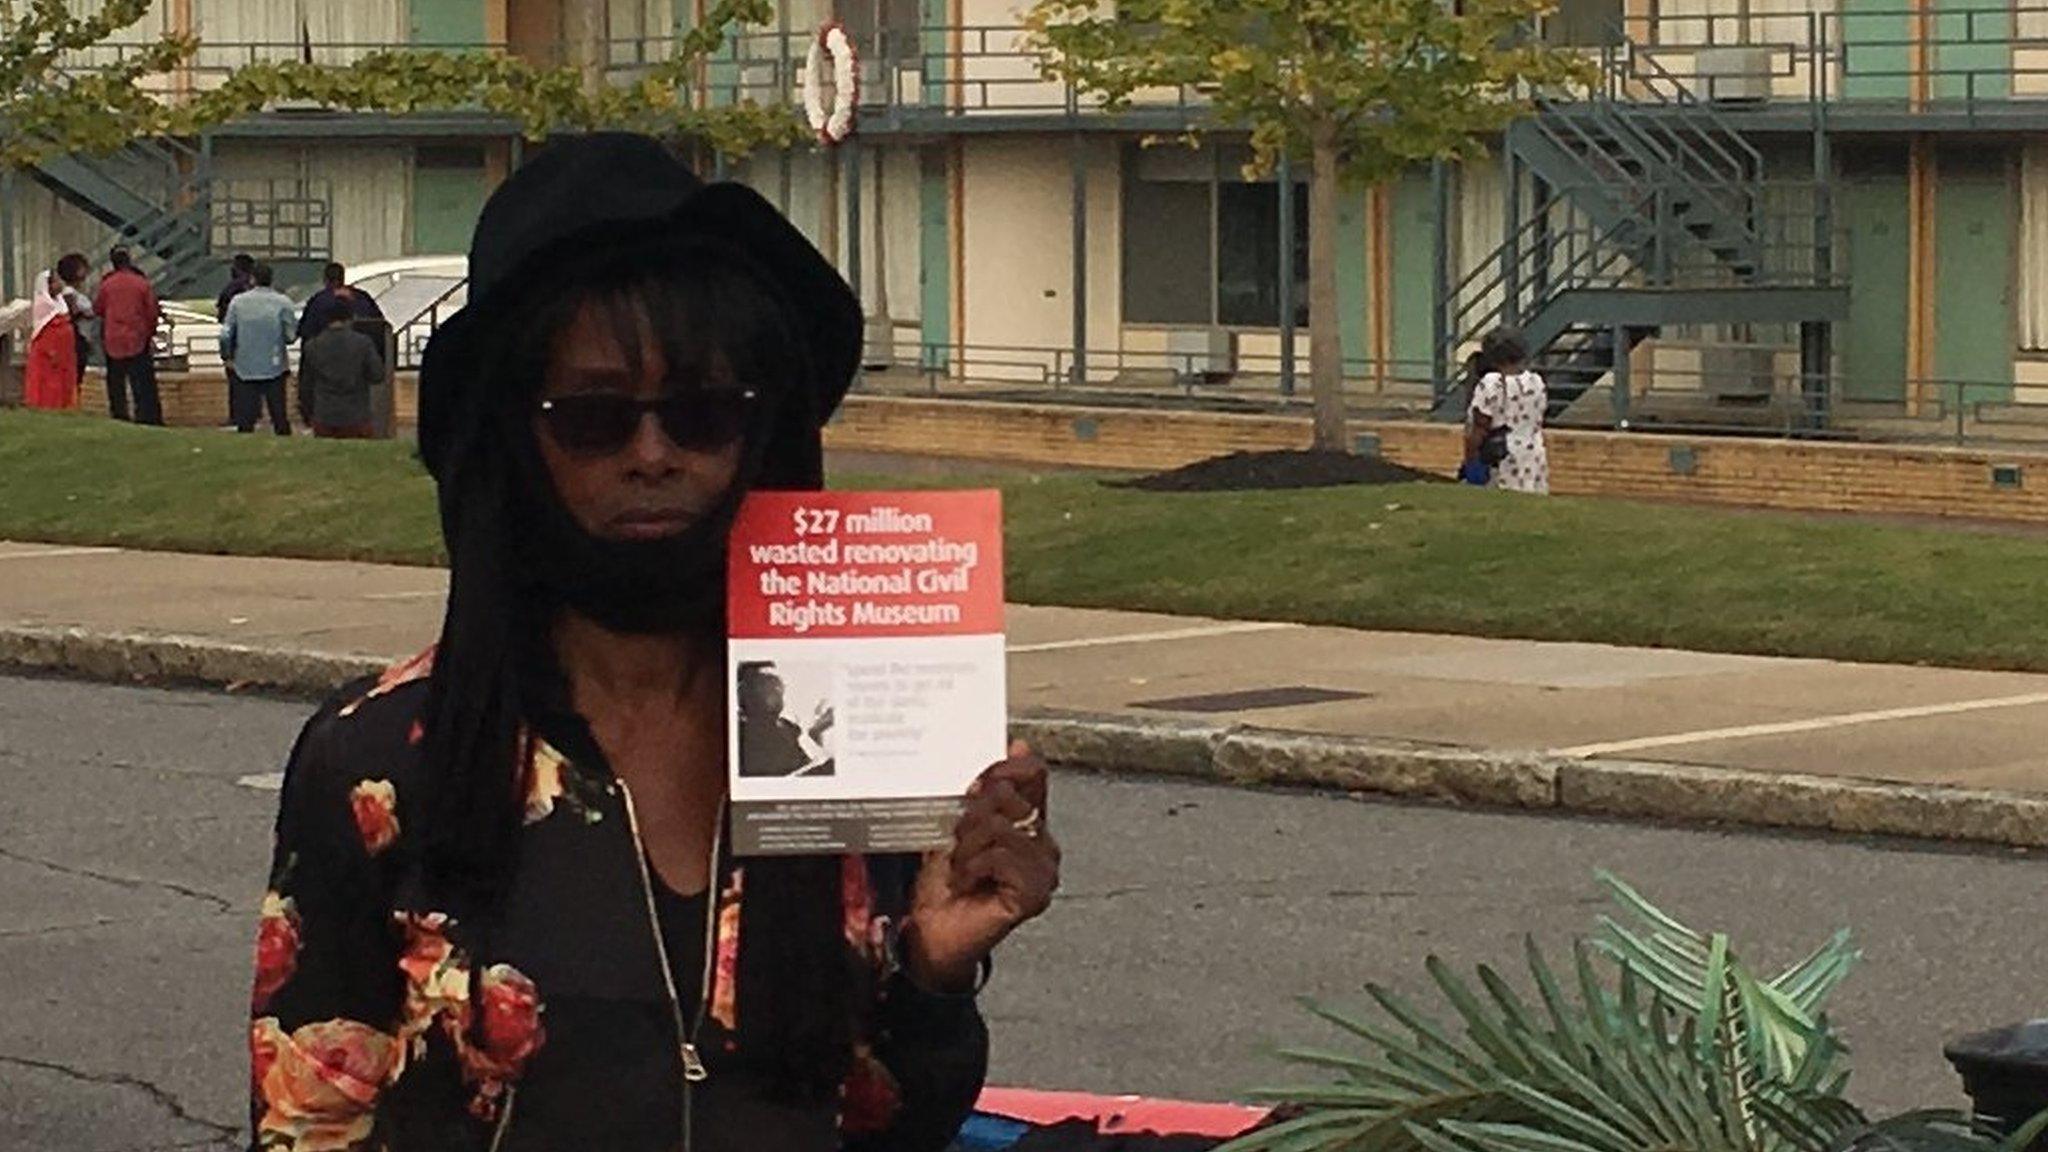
[840,565]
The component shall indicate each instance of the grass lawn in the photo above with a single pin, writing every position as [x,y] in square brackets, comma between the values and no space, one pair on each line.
[1439,558]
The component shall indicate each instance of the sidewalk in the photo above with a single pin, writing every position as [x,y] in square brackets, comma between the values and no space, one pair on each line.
[1482,706]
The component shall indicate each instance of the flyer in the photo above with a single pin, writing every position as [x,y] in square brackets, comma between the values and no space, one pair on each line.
[866,677]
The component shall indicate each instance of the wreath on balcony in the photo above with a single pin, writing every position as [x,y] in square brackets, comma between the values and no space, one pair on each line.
[832,46]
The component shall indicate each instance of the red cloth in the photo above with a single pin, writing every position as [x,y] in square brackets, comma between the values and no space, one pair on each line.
[52,378]
[1122,1114]
[128,309]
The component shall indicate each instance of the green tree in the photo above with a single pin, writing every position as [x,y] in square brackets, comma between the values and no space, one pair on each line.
[62,90]
[1359,89]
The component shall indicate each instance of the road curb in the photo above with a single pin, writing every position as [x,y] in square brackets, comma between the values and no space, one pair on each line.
[1230,754]
[136,658]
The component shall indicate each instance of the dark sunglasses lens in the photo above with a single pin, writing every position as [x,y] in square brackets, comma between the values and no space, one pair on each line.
[593,423]
[701,421]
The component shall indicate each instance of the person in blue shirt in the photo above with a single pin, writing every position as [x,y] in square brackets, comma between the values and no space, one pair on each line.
[254,340]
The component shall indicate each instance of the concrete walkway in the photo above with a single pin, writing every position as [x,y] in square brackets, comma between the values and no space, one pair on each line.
[1974,730]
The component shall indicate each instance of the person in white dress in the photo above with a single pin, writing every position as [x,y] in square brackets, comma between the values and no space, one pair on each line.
[1510,396]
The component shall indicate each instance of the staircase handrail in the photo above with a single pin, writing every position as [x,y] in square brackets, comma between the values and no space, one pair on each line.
[1585,265]
[1743,162]
[1729,200]
[405,341]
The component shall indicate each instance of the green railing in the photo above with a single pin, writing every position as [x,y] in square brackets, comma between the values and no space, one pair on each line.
[918,71]
[1986,60]
[924,72]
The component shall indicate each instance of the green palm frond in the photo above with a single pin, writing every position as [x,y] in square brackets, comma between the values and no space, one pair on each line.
[1597,1065]
[1701,973]
[1658,1038]
[1935,1130]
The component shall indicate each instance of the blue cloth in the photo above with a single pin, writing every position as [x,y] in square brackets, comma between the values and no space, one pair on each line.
[260,325]
[986,1133]
[1475,472]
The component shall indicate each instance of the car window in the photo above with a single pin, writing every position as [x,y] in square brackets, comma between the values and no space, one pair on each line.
[408,298]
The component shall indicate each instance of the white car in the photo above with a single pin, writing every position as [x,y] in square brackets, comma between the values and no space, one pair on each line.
[415,293]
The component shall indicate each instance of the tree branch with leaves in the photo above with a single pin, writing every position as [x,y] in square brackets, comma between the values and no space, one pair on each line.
[55,99]
[1359,89]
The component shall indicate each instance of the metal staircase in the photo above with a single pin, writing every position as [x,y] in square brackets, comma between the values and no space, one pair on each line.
[1648,209]
[158,197]
[155,197]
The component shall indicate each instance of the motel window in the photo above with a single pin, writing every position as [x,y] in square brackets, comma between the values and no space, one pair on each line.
[1202,244]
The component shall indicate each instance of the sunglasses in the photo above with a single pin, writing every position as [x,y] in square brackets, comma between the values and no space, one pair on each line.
[601,423]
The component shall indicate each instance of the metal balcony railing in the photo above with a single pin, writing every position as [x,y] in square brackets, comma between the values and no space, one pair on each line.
[1984,61]
[967,70]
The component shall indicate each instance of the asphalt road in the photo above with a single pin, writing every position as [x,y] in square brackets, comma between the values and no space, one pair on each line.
[131,863]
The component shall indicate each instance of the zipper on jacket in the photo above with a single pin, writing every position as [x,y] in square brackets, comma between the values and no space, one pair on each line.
[505,1117]
[694,1071]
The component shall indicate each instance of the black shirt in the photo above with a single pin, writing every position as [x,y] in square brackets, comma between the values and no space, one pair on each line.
[391,1015]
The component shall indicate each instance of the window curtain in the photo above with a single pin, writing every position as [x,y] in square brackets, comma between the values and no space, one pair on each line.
[1782,23]
[2033,318]
[900,216]
[1682,23]
[1481,227]
[368,189]
[115,47]
[273,23]
[46,228]
[341,33]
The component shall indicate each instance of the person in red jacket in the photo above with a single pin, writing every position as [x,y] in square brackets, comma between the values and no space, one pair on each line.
[129,312]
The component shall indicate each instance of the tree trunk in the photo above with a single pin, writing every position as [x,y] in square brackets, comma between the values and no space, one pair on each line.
[586,25]
[1325,331]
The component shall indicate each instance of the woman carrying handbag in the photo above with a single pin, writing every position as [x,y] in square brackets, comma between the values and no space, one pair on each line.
[1504,426]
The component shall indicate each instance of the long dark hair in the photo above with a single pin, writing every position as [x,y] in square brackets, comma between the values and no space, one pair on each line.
[800,986]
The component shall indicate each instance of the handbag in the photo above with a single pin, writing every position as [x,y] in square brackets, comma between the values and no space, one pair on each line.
[1493,447]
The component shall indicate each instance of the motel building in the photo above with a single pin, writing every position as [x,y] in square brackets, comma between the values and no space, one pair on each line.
[1775,214]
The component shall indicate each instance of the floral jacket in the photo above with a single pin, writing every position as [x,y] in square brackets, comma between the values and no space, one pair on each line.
[375,1026]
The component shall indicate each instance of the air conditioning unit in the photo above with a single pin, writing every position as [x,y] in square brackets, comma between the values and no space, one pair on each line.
[1738,374]
[758,81]
[1735,75]
[1202,355]
[879,351]
[909,85]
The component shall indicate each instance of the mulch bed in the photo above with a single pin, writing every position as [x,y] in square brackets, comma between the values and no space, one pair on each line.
[1255,471]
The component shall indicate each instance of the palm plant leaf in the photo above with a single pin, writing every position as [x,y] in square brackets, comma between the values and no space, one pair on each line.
[1932,1130]
[1702,974]
[1657,1038]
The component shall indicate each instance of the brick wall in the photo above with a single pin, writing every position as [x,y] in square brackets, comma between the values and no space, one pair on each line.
[200,399]
[1882,478]
[1872,478]
[190,399]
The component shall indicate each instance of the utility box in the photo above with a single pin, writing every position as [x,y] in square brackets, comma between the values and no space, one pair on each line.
[1741,374]
[1735,74]
[1202,355]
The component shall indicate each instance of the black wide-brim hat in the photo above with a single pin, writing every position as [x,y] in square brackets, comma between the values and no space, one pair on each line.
[621,185]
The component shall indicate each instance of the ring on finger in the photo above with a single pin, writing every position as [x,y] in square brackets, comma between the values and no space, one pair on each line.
[1031,824]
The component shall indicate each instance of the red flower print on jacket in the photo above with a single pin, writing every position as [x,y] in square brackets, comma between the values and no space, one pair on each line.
[497,1034]
[436,975]
[375,805]
[869,1099]
[408,671]
[319,1085]
[277,948]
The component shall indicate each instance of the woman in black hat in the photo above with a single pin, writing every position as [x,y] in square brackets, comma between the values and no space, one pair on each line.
[501,915]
